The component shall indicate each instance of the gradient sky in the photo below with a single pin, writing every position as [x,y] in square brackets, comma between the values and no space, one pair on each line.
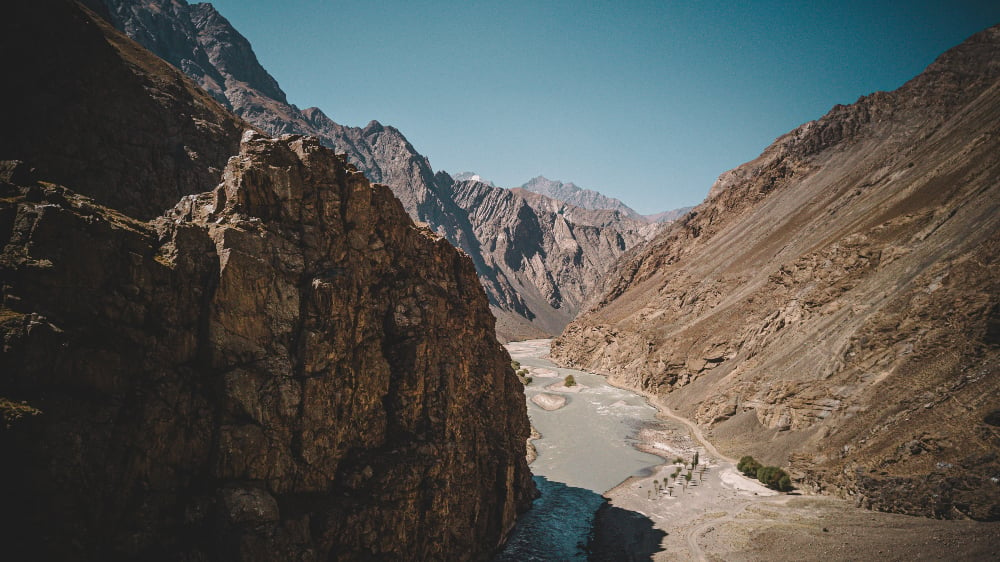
[645,101]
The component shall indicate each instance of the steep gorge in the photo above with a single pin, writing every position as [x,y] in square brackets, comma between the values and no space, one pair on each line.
[834,304]
[520,283]
[282,366]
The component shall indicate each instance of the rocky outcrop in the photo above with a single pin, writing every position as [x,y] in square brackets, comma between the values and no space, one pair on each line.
[833,304]
[532,294]
[282,367]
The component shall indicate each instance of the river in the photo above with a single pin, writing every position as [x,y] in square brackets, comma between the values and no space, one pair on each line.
[586,449]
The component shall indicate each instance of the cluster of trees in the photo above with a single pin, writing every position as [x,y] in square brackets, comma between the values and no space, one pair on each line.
[770,476]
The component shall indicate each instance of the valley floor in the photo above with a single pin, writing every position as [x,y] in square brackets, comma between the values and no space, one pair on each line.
[721,515]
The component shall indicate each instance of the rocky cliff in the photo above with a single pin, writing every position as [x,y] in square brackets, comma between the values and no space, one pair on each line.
[834,304]
[198,40]
[282,367]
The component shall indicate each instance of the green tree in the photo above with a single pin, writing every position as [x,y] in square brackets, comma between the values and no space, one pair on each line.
[773,477]
[695,463]
[749,466]
[785,484]
[570,381]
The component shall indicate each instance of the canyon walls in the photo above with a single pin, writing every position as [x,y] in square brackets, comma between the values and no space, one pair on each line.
[282,365]
[834,304]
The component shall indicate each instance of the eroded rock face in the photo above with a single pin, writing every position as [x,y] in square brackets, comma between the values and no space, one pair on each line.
[833,304]
[283,368]
[533,293]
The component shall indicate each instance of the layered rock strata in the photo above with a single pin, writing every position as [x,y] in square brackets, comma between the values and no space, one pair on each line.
[834,304]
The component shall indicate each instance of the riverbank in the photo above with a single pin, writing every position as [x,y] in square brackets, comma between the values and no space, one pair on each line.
[722,515]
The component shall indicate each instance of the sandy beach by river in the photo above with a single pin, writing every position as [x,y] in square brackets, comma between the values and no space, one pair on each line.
[721,515]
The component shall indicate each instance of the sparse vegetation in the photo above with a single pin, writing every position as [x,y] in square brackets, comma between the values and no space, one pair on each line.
[771,476]
[748,466]
[569,381]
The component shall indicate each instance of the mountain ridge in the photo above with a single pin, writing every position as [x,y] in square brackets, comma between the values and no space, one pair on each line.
[520,290]
[835,299]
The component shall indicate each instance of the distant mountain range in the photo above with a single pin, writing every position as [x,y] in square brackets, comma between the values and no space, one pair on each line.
[590,199]
[538,267]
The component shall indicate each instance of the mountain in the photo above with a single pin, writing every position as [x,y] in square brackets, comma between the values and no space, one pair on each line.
[171,144]
[668,216]
[198,40]
[834,305]
[471,176]
[575,195]
[280,366]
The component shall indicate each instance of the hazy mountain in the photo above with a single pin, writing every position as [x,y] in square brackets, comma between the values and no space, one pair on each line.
[575,195]
[198,40]
[834,305]
[668,216]
[471,176]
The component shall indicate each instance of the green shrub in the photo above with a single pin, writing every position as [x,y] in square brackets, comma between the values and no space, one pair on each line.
[749,466]
[570,381]
[515,365]
[785,484]
[772,476]
[527,380]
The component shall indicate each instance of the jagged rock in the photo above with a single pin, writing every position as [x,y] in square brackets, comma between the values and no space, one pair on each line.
[282,367]
[836,296]
[288,352]
[532,292]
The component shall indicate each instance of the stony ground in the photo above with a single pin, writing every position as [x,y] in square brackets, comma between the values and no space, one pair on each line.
[722,515]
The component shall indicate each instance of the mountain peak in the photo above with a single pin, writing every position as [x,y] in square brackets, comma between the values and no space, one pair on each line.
[569,192]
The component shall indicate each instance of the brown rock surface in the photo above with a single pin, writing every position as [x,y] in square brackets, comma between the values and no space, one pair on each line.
[536,283]
[833,304]
[284,367]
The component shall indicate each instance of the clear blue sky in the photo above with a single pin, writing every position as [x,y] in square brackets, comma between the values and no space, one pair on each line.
[645,101]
